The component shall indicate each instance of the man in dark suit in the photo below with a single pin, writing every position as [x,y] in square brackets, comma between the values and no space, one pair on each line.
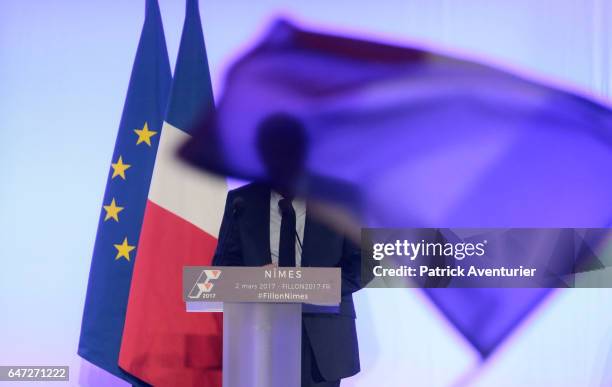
[264,224]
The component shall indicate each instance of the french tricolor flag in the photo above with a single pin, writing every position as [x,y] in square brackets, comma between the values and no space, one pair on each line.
[162,344]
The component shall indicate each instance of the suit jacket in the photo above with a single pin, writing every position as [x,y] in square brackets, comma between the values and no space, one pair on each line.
[244,240]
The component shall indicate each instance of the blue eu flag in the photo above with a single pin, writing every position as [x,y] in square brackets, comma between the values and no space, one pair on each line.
[125,199]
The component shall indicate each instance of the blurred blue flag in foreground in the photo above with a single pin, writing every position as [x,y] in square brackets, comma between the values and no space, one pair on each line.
[403,137]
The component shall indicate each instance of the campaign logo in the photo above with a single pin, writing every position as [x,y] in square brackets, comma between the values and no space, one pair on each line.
[204,284]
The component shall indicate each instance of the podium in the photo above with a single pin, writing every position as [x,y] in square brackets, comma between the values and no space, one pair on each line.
[262,316]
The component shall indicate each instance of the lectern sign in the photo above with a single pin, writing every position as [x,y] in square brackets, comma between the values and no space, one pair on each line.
[309,285]
[262,316]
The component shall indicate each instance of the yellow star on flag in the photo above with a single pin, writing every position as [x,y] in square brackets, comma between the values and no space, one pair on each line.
[123,250]
[144,135]
[112,211]
[119,168]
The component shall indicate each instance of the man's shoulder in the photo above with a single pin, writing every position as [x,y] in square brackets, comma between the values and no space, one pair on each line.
[249,190]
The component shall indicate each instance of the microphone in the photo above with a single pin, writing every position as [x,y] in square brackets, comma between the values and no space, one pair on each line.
[299,241]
